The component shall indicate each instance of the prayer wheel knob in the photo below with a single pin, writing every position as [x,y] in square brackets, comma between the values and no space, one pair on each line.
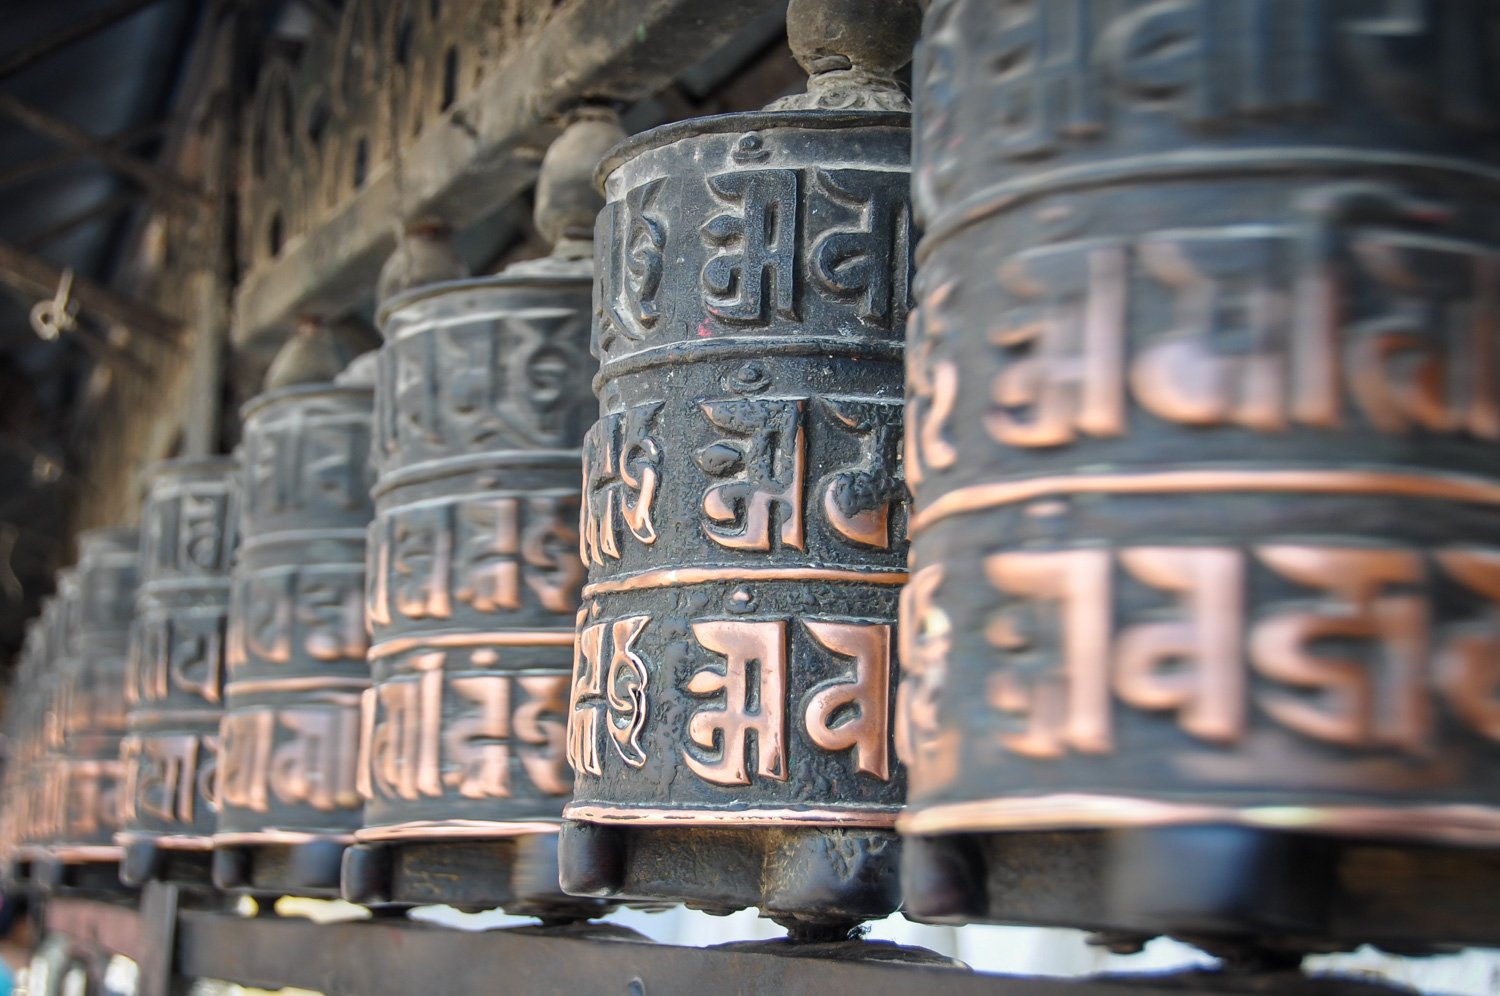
[567,199]
[827,35]
[424,255]
[314,354]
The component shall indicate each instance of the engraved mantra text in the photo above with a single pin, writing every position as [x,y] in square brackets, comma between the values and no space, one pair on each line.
[1262,327]
[481,550]
[757,464]
[313,764]
[741,698]
[429,733]
[1357,658]
[1067,68]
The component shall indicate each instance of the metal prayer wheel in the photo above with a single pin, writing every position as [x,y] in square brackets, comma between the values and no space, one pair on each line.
[16,694]
[29,770]
[174,687]
[744,512]
[287,796]
[473,577]
[50,772]
[1202,424]
[99,602]
[18,708]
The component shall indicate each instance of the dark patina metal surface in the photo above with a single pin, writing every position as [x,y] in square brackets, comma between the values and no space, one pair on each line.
[296,668]
[91,702]
[744,515]
[1203,405]
[175,680]
[482,403]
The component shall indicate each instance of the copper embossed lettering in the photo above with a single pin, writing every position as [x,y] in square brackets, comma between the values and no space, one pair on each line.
[1191,665]
[1373,696]
[1056,650]
[1064,344]
[476,740]
[541,728]
[748,702]
[764,461]
[854,714]
[859,499]
[752,277]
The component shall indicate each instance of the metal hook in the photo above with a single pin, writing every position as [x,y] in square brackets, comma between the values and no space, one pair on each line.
[50,318]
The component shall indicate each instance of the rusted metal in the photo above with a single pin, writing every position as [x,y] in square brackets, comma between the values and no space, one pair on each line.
[91,703]
[481,406]
[174,688]
[297,642]
[744,514]
[1202,411]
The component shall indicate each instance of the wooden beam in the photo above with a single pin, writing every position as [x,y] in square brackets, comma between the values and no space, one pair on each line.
[32,275]
[108,207]
[484,152]
[78,29]
[160,181]
[123,141]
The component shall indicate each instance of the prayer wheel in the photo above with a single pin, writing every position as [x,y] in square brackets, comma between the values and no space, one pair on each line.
[100,601]
[744,520]
[28,771]
[51,759]
[289,739]
[473,577]
[12,816]
[174,687]
[1203,405]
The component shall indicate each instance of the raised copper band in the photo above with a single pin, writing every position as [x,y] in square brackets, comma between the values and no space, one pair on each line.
[454,830]
[673,576]
[1457,824]
[656,817]
[250,838]
[747,347]
[1397,484]
[70,854]
[504,638]
[306,684]
[1190,163]
[170,841]
[155,717]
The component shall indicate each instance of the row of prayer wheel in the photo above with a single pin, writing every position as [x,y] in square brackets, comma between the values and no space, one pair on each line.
[1122,553]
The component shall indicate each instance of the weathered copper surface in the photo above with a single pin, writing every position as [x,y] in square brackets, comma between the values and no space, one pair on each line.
[1201,429]
[174,689]
[744,517]
[91,705]
[296,645]
[474,574]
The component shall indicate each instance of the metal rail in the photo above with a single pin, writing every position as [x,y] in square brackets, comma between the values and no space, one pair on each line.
[393,955]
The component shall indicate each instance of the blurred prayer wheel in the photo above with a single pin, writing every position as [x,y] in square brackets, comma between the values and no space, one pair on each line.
[473,577]
[1203,409]
[288,802]
[100,602]
[744,514]
[174,688]
[29,771]
[51,777]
